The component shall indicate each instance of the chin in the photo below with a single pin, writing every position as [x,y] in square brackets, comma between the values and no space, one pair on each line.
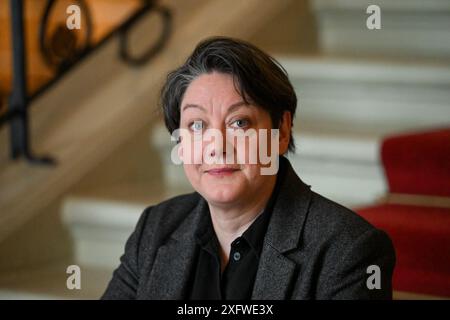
[222,194]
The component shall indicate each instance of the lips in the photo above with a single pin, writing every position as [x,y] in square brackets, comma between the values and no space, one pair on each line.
[222,171]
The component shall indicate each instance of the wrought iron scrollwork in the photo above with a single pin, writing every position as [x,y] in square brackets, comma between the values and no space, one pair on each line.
[156,47]
[61,49]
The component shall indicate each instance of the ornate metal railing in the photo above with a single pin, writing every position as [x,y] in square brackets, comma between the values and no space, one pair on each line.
[61,52]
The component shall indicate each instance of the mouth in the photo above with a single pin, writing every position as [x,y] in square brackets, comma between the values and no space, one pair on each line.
[225,171]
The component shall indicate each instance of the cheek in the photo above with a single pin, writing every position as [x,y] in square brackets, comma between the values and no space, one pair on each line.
[269,142]
[192,173]
[251,172]
[191,151]
[246,149]
[255,148]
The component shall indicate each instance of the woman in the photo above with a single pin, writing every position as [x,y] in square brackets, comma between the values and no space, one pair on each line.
[245,233]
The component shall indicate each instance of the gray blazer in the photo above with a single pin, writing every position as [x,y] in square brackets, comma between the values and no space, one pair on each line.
[314,248]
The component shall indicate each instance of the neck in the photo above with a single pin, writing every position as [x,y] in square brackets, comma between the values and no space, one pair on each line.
[230,222]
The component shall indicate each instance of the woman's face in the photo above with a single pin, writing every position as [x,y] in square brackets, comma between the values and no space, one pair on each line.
[212,104]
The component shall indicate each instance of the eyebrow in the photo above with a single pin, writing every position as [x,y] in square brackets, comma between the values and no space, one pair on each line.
[190,105]
[236,105]
[231,108]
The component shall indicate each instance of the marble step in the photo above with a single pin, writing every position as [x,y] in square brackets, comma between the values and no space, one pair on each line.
[101,221]
[99,228]
[409,28]
[366,96]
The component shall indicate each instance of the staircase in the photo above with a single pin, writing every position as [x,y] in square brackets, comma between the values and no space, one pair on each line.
[347,104]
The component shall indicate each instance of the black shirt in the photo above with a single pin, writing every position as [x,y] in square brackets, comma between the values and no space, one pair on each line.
[237,279]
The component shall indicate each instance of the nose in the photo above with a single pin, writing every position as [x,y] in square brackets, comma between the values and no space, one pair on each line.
[217,143]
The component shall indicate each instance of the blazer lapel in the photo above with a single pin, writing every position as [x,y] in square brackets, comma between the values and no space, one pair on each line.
[171,270]
[275,275]
[174,260]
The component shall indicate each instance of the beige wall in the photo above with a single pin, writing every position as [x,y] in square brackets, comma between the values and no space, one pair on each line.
[41,240]
[293,31]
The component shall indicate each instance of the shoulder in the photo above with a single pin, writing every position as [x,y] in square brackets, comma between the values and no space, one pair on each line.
[345,245]
[332,217]
[160,220]
[338,228]
[174,207]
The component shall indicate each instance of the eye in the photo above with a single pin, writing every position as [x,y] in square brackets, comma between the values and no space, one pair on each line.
[196,126]
[240,123]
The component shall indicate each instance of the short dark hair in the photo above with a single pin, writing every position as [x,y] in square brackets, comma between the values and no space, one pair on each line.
[258,78]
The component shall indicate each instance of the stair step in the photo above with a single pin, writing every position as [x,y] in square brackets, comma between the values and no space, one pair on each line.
[409,28]
[368,96]
[100,221]
[49,282]
[99,228]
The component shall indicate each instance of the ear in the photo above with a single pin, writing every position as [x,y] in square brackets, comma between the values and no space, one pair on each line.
[285,132]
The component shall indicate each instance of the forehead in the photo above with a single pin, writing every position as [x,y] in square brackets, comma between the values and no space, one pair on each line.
[211,90]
